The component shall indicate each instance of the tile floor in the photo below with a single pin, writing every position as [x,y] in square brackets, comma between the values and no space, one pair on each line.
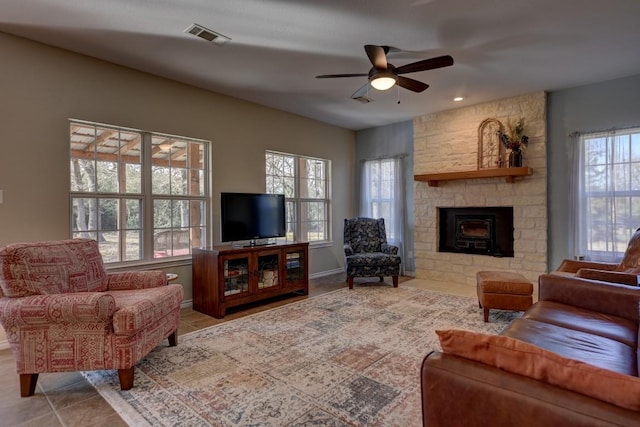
[67,399]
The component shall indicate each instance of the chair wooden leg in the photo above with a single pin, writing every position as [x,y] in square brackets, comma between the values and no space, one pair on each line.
[28,384]
[381,279]
[173,339]
[395,281]
[126,378]
[350,280]
[486,314]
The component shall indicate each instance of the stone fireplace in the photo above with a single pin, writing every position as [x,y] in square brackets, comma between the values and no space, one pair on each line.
[448,142]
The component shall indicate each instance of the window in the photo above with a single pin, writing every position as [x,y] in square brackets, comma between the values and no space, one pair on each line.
[141,195]
[305,183]
[382,196]
[608,193]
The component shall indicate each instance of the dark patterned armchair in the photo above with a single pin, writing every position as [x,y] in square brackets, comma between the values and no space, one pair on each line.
[366,251]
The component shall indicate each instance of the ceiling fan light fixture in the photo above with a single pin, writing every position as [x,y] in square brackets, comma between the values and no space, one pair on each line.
[383,75]
[383,81]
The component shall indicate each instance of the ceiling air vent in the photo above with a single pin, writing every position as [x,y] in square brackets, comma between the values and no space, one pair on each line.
[207,34]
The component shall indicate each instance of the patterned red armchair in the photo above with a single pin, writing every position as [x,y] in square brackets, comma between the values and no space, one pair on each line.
[63,312]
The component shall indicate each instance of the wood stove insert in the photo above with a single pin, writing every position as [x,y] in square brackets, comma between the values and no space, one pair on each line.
[476,230]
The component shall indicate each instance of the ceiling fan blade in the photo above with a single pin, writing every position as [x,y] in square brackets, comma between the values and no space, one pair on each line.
[332,76]
[427,64]
[411,84]
[377,55]
[362,92]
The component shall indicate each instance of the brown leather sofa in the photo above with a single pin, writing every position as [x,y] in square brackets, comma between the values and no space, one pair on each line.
[579,319]
[626,272]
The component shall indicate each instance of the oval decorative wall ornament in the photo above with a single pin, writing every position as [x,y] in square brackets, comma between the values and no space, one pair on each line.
[491,153]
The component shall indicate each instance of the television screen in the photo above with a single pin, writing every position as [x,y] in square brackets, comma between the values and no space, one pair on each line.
[249,216]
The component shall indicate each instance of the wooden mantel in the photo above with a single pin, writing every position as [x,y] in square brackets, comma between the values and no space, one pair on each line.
[509,174]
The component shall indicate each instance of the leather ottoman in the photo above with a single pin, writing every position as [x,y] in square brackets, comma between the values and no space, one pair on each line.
[503,290]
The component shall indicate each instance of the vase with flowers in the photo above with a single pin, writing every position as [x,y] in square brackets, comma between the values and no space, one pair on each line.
[515,140]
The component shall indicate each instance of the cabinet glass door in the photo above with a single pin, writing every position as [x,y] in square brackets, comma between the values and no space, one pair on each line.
[268,271]
[295,266]
[236,276]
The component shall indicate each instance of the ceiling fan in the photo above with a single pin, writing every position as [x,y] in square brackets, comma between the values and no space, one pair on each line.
[384,75]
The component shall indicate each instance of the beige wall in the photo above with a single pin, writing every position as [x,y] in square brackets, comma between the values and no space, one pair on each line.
[453,135]
[42,87]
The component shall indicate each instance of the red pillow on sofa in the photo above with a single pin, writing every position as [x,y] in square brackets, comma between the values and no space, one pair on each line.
[526,359]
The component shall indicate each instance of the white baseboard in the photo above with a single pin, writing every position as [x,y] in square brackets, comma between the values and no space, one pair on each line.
[326,273]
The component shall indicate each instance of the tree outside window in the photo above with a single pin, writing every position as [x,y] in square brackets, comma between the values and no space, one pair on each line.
[304,181]
[607,185]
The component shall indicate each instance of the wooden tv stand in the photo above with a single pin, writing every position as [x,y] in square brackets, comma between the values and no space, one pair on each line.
[228,276]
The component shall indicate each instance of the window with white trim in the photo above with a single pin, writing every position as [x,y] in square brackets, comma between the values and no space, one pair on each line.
[141,195]
[607,208]
[382,196]
[304,181]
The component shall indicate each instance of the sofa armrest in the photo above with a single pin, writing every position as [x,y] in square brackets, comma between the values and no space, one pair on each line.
[458,391]
[604,297]
[608,276]
[572,266]
[131,280]
[389,249]
[77,307]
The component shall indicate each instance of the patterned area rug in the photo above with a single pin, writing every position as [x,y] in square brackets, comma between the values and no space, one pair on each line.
[346,358]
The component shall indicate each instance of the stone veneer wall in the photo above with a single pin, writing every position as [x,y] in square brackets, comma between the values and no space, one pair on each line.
[448,142]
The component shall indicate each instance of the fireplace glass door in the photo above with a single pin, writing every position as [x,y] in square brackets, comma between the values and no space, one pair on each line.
[476,230]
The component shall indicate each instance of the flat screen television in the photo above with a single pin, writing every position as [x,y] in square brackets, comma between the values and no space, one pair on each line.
[251,216]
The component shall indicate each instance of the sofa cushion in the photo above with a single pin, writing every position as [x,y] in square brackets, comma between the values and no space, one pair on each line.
[529,360]
[52,267]
[372,259]
[623,277]
[580,319]
[137,309]
[600,351]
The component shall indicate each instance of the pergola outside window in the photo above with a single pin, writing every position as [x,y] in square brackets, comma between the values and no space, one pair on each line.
[141,195]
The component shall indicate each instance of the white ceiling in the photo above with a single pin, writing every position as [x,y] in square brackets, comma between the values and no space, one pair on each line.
[500,47]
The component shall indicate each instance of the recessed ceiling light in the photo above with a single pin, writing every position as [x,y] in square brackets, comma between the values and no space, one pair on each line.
[207,34]
[458,98]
